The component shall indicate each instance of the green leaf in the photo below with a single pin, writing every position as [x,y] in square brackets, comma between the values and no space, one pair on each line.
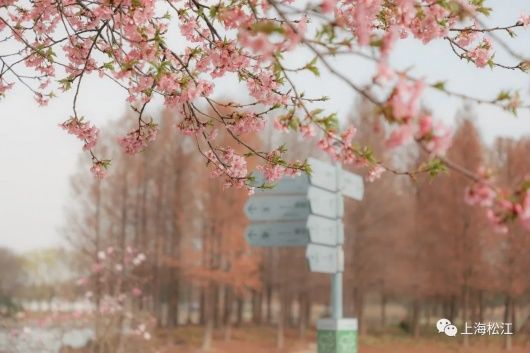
[214,10]
[267,27]
[440,85]
[435,167]
[313,69]
[491,64]
[503,95]
[366,153]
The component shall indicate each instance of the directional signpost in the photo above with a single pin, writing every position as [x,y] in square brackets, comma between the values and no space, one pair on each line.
[307,211]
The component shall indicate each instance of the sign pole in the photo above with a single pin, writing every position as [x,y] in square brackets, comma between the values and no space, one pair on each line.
[336,295]
[336,278]
[337,335]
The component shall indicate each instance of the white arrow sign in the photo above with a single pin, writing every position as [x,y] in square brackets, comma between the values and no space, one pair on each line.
[277,208]
[325,231]
[264,207]
[323,175]
[317,229]
[325,259]
[277,234]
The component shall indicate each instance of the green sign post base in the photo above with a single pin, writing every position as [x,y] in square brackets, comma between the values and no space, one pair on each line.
[337,336]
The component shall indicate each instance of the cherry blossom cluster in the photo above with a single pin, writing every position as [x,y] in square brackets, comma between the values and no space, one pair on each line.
[229,165]
[402,109]
[88,133]
[481,55]
[138,139]
[275,168]
[132,44]
[247,123]
[99,169]
[502,207]
[524,20]
[340,146]
[83,130]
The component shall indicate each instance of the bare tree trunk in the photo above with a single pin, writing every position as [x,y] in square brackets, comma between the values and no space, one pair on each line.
[415,324]
[507,315]
[481,306]
[240,306]
[269,303]
[383,309]
[122,246]
[465,313]
[216,306]
[452,309]
[256,307]
[202,308]
[209,319]
[98,290]
[189,314]
[227,313]
[280,340]
[359,310]
[302,314]
[173,307]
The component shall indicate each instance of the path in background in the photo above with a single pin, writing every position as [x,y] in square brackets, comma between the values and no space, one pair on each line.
[39,340]
[262,340]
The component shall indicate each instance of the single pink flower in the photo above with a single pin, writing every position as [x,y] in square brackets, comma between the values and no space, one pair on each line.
[524,20]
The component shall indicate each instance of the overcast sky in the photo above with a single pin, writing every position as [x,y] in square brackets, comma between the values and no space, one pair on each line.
[38,157]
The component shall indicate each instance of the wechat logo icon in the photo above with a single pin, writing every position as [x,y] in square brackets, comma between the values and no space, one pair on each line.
[445,326]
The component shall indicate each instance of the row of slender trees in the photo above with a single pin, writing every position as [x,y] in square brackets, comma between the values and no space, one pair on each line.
[412,241]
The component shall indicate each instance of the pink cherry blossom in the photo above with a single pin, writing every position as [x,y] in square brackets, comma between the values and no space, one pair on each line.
[139,139]
[436,136]
[83,130]
[524,20]
[404,99]
[228,164]
[400,136]
[99,170]
[384,73]
[295,34]
[429,26]
[307,130]
[233,17]
[247,123]
[272,172]
[480,194]
[4,86]
[328,5]
[188,28]
[225,57]
[364,13]
[265,89]
[466,38]
[375,173]
[497,221]
[482,53]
